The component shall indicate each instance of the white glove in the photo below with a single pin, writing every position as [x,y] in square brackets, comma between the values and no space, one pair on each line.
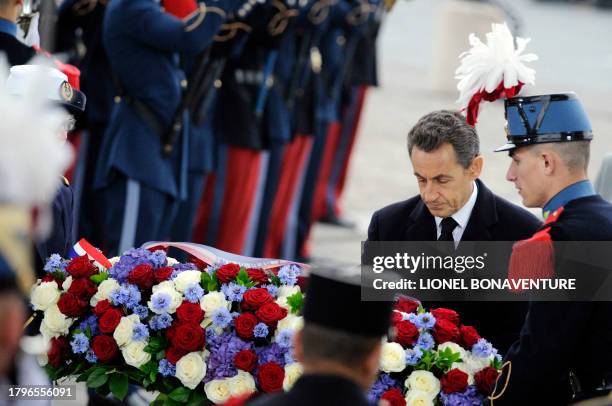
[32,37]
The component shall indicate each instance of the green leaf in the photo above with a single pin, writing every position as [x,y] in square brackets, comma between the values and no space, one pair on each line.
[495,363]
[243,278]
[153,376]
[196,399]
[421,309]
[209,282]
[99,278]
[296,301]
[275,280]
[205,278]
[180,394]
[160,355]
[59,275]
[119,385]
[97,378]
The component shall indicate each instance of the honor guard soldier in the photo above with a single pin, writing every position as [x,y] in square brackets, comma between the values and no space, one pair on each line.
[16,51]
[61,93]
[563,345]
[142,168]
[339,345]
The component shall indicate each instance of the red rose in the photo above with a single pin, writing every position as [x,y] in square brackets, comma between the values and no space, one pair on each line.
[227,272]
[406,305]
[454,380]
[142,276]
[257,275]
[446,314]
[255,298]
[102,307]
[469,336]
[59,348]
[109,321]
[189,337]
[270,313]
[444,331]
[83,288]
[245,360]
[50,278]
[174,354]
[245,323]
[81,267]
[396,317]
[485,380]
[171,331]
[394,397]
[190,313]
[163,274]
[271,377]
[104,347]
[406,333]
[71,305]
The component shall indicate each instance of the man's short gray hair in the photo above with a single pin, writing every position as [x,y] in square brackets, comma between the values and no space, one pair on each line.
[574,154]
[445,126]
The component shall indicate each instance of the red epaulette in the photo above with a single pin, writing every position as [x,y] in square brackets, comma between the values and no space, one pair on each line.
[180,8]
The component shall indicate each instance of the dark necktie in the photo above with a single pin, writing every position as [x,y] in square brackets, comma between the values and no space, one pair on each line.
[448,225]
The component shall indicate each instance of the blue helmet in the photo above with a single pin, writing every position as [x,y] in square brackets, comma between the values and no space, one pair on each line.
[545,118]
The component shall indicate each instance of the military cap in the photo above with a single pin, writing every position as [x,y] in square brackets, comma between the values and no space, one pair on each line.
[545,118]
[334,301]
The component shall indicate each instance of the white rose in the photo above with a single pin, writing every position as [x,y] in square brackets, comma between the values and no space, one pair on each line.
[190,369]
[456,348]
[292,373]
[187,278]
[171,261]
[125,329]
[44,295]
[166,288]
[286,291]
[241,384]
[418,398]
[114,260]
[423,381]
[212,301]
[54,323]
[67,283]
[282,302]
[218,390]
[290,322]
[104,290]
[134,354]
[392,358]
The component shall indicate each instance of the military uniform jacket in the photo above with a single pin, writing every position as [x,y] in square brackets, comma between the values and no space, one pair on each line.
[319,390]
[492,219]
[561,336]
[142,44]
[16,52]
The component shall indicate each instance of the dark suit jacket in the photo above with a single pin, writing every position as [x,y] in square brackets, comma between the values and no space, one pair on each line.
[492,219]
[16,52]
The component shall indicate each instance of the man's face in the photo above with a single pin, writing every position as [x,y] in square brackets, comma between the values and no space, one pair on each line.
[526,172]
[445,186]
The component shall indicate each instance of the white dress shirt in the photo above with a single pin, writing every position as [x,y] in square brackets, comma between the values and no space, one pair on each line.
[462,216]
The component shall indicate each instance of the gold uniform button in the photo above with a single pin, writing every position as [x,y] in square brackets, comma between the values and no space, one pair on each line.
[117,99]
[218,84]
[184,84]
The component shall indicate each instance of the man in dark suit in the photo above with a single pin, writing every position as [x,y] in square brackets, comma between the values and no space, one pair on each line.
[563,345]
[16,52]
[454,205]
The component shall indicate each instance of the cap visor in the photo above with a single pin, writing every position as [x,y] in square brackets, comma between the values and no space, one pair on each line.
[506,147]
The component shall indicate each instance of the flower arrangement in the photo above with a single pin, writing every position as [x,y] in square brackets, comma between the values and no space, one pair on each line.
[433,359]
[194,333]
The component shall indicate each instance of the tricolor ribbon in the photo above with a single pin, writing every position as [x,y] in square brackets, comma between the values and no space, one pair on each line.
[83,247]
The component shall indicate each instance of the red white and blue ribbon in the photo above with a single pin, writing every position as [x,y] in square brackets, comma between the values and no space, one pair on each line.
[83,247]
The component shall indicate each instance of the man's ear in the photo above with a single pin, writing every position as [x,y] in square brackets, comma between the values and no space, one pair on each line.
[476,166]
[298,346]
[549,161]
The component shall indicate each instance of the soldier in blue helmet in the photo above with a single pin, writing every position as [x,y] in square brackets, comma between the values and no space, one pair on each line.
[563,352]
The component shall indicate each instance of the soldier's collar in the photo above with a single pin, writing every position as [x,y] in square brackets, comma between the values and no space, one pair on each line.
[574,191]
[8,27]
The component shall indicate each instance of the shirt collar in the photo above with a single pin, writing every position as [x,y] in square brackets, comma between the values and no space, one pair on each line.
[462,216]
[8,27]
[574,191]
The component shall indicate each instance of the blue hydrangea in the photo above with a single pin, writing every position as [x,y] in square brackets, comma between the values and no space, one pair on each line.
[288,274]
[284,338]
[233,291]
[289,358]
[141,311]
[160,321]
[130,259]
[260,330]
[119,296]
[272,289]
[91,357]
[158,258]
[469,397]
[134,296]
[193,293]
[80,343]
[412,317]
[160,302]
[413,356]
[140,332]
[54,263]
[382,384]
[92,323]
[483,348]
[166,368]
[221,317]
[425,320]
[426,341]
